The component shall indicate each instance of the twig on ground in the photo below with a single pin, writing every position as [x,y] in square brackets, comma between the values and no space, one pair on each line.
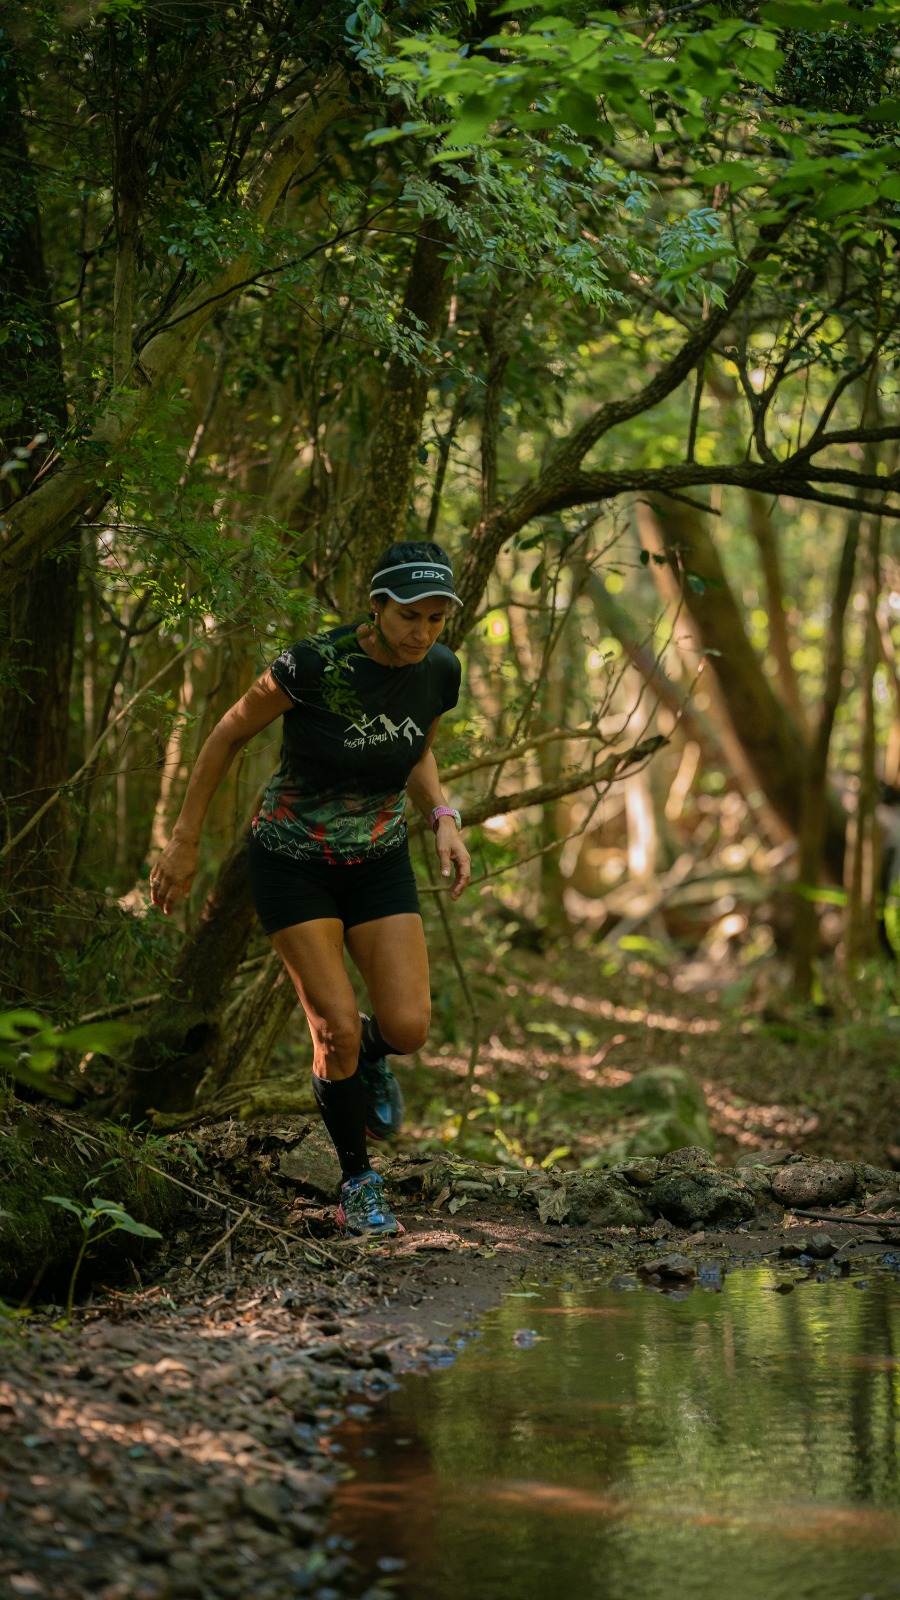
[865,1220]
[224,1241]
[284,1233]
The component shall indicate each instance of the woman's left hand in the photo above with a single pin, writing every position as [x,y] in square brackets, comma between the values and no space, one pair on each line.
[452,855]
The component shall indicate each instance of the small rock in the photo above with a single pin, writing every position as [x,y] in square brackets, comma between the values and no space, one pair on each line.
[314,1165]
[671,1266]
[822,1246]
[293,1392]
[685,1194]
[306,1489]
[692,1155]
[326,1379]
[872,1178]
[885,1200]
[764,1158]
[639,1173]
[796,1245]
[302,1529]
[268,1503]
[604,1200]
[814,1183]
[325,1350]
[467,1186]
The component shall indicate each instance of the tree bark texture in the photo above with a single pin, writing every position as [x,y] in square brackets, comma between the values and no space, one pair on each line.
[813,829]
[861,931]
[183,1037]
[768,733]
[382,514]
[764,532]
[37,623]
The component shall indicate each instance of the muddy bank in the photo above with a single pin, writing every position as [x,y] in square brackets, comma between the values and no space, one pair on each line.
[268,1190]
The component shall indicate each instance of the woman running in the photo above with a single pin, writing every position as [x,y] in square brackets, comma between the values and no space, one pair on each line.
[329,859]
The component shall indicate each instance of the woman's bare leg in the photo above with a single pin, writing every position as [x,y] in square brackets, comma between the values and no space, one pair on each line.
[392,960]
[313,953]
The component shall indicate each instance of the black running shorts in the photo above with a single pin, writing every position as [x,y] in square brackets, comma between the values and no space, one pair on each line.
[286,891]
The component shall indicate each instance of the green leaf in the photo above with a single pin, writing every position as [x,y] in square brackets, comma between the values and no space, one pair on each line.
[737,174]
[846,197]
[407,130]
[812,16]
[12,1023]
[141,1229]
[67,1205]
[100,1036]
[828,897]
[889,187]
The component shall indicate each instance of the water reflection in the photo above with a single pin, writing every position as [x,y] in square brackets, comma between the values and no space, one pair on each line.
[742,1443]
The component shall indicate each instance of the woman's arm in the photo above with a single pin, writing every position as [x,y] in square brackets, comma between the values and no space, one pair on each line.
[425,792]
[174,872]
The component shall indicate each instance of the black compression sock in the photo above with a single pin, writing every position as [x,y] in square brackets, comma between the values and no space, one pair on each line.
[342,1104]
[374,1044]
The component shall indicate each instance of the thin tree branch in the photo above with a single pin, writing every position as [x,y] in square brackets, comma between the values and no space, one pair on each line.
[94,751]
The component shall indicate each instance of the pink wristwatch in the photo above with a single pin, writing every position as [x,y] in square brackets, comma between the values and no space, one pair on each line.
[444,811]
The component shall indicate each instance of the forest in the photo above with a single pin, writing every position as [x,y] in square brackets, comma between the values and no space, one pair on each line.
[604,301]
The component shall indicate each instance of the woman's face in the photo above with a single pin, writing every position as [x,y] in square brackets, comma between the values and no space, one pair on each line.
[410,627]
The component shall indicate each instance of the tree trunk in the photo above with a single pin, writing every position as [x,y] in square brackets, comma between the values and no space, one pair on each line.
[382,513]
[814,787]
[254,1023]
[37,623]
[183,1037]
[551,760]
[763,530]
[861,937]
[769,735]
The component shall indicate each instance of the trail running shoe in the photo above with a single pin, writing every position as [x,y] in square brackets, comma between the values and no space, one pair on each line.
[384,1098]
[363,1211]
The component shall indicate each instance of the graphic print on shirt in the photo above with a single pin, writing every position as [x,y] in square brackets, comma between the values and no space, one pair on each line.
[378,729]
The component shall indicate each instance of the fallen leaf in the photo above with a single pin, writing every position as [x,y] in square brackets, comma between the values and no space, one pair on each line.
[553,1205]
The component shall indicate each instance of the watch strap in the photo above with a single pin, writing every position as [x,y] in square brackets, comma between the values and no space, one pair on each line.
[444,811]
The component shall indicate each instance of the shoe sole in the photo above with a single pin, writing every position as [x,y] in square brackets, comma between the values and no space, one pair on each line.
[367,1233]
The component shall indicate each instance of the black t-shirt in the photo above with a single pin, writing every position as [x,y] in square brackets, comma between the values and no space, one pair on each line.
[355,733]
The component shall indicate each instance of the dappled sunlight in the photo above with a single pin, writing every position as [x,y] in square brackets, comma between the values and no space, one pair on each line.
[756,1126]
[641,1015]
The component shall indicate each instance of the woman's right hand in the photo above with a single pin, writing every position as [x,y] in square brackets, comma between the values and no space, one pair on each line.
[173,874]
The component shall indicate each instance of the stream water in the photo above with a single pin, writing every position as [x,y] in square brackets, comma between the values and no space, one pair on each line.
[737,1442]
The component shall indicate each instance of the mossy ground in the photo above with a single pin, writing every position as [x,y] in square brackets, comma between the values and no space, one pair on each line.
[46,1152]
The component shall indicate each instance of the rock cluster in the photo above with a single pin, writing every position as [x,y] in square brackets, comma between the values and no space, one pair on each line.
[684,1187]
